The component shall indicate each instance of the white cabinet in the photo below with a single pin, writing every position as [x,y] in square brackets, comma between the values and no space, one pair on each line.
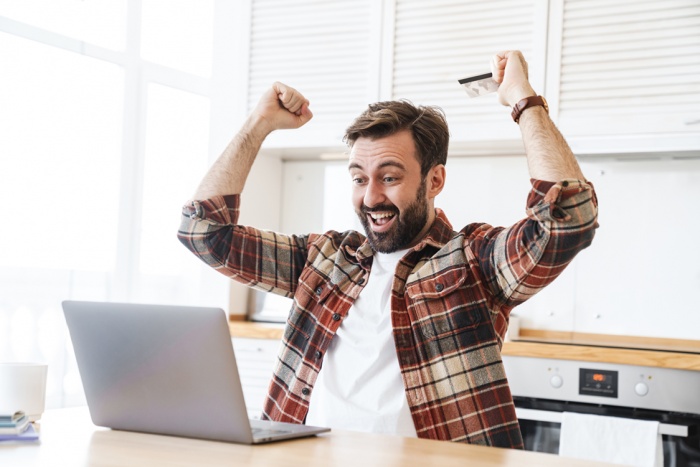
[328,50]
[255,359]
[621,76]
[436,43]
[624,76]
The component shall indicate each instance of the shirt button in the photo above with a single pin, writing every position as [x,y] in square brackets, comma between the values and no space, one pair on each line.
[336,317]
[361,281]
[439,287]
[318,354]
[196,211]
[319,289]
[306,391]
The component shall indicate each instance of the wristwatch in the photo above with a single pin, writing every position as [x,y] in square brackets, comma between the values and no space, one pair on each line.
[527,103]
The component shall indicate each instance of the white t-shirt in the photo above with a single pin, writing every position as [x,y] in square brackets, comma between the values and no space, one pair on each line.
[359,386]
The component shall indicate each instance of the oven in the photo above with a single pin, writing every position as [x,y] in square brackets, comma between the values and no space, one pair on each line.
[543,389]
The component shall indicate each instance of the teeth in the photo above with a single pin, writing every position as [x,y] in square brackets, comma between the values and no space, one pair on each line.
[380,215]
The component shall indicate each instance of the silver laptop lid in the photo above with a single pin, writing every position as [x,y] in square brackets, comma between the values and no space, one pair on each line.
[159,369]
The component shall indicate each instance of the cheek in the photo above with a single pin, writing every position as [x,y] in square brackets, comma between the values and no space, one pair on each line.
[358,196]
[398,198]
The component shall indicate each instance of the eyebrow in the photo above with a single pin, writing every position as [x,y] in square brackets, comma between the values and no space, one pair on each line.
[398,165]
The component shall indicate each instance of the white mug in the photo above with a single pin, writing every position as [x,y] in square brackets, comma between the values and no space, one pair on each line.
[23,387]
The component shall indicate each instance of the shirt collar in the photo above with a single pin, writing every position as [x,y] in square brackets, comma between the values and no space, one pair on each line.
[439,234]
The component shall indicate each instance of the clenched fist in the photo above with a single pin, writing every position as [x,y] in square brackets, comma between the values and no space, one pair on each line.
[509,69]
[282,107]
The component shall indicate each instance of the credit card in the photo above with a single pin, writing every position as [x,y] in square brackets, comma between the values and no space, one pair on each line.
[479,85]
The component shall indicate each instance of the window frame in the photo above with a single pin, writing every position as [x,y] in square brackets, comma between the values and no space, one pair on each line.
[224,89]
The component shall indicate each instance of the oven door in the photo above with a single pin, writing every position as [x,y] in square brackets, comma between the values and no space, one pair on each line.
[540,424]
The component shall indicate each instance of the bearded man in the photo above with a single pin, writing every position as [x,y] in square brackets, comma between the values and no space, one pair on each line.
[399,330]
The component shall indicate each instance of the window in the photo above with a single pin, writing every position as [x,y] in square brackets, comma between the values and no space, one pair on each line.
[102,23]
[178,34]
[61,146]
[105,135]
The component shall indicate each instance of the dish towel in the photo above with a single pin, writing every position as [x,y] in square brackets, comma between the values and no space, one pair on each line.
[611,439]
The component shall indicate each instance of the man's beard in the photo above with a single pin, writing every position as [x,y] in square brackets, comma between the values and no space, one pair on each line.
[407,225]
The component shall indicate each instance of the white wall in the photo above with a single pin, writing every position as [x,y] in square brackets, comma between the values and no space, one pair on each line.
[641,274]
[642,271]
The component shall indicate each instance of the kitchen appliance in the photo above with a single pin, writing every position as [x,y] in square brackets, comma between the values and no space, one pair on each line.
[544,388]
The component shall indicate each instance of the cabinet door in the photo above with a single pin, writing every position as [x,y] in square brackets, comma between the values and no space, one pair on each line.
[255,359]
[438,42]
[325,49]
[624,76]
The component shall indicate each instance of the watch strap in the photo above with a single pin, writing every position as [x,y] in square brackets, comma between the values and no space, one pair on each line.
[526,103]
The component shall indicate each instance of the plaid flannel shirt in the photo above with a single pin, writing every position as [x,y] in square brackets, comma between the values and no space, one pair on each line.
[451,300]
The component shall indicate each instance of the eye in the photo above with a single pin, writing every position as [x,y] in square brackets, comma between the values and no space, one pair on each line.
[358,180]
[389,179]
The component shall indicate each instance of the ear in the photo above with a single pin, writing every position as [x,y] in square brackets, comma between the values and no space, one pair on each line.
[435,181]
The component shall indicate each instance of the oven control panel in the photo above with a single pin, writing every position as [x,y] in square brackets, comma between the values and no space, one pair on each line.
[602,383]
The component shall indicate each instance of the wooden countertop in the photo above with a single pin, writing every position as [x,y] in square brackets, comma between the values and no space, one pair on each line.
[627,350]
[586,353]
[69,438]
[252,330]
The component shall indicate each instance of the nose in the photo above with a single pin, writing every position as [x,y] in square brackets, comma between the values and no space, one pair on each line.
[374,194]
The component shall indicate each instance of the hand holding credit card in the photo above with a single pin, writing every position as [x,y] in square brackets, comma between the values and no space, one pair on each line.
[479,85]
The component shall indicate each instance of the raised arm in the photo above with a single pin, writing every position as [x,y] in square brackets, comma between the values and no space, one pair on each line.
[280,107]
[549,156]
[519,261]
[209,223]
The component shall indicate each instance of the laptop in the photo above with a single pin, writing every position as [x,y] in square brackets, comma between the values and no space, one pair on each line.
[169,370]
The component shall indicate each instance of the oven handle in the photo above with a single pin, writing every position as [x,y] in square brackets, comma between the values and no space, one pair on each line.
[555,417]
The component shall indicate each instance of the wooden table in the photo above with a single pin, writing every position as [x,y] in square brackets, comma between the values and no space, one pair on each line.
[68,438]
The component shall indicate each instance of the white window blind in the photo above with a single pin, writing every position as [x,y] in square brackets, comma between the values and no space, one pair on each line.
[436,43]
[629,66]
[322,48]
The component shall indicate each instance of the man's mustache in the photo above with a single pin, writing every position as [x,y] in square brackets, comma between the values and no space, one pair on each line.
[379,208]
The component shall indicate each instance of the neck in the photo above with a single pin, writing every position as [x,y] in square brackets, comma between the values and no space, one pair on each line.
[426,228]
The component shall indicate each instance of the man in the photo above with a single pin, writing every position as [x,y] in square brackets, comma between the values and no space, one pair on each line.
[399,331]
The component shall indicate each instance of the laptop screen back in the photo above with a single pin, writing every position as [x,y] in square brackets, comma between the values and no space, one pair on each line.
[159,369]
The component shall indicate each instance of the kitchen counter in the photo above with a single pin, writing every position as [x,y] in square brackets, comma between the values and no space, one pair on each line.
[626,350]
[68,437]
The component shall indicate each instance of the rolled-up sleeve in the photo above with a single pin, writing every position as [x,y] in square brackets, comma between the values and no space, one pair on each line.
[262,259]
[521,260]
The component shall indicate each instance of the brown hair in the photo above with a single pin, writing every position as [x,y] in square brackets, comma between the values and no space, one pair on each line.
[427,124]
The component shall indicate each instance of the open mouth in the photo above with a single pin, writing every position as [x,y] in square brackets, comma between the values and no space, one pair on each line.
[381,221]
